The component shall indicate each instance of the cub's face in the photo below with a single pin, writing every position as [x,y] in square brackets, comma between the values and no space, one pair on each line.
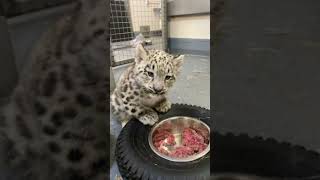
[156,70]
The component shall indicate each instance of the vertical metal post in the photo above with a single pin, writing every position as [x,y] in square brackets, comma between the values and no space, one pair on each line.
[112,80]
[164,23]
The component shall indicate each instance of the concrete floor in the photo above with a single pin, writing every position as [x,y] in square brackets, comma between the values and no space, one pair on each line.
[192,87]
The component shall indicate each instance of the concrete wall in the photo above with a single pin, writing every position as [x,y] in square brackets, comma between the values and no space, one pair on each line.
[189,34]
[191,27]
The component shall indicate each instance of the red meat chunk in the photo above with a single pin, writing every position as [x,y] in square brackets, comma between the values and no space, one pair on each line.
[182,152]
[193,141]
[163,137]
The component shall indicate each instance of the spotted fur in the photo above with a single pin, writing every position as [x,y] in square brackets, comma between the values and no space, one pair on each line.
[54,125]
[142,88]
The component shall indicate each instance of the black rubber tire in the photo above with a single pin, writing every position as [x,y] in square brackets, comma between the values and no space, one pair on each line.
[238,154]
[263,157]
[136,160]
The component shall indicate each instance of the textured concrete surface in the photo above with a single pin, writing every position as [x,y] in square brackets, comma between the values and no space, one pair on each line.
[192,87]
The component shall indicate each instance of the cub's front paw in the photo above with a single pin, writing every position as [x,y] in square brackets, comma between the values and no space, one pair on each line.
[164,107]
[123,123]
[149,118]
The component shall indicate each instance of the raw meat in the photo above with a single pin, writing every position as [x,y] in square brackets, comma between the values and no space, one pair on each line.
[193,141]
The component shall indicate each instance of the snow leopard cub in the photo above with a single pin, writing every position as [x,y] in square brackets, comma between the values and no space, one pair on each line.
[142,88]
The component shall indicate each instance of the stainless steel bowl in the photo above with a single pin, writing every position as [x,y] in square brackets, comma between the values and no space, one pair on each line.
[178,123]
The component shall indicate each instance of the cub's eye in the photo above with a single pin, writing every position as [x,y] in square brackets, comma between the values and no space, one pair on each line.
[168,77]
[150,74]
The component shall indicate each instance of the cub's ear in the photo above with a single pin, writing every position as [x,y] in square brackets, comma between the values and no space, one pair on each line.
[178,61]
[141,53]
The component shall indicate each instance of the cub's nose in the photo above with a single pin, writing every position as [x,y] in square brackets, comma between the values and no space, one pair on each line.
[158,88]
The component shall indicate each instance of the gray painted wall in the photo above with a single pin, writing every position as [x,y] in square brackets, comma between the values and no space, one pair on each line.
[188,7]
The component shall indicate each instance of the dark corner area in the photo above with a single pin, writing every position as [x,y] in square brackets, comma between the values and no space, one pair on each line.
[265,85]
